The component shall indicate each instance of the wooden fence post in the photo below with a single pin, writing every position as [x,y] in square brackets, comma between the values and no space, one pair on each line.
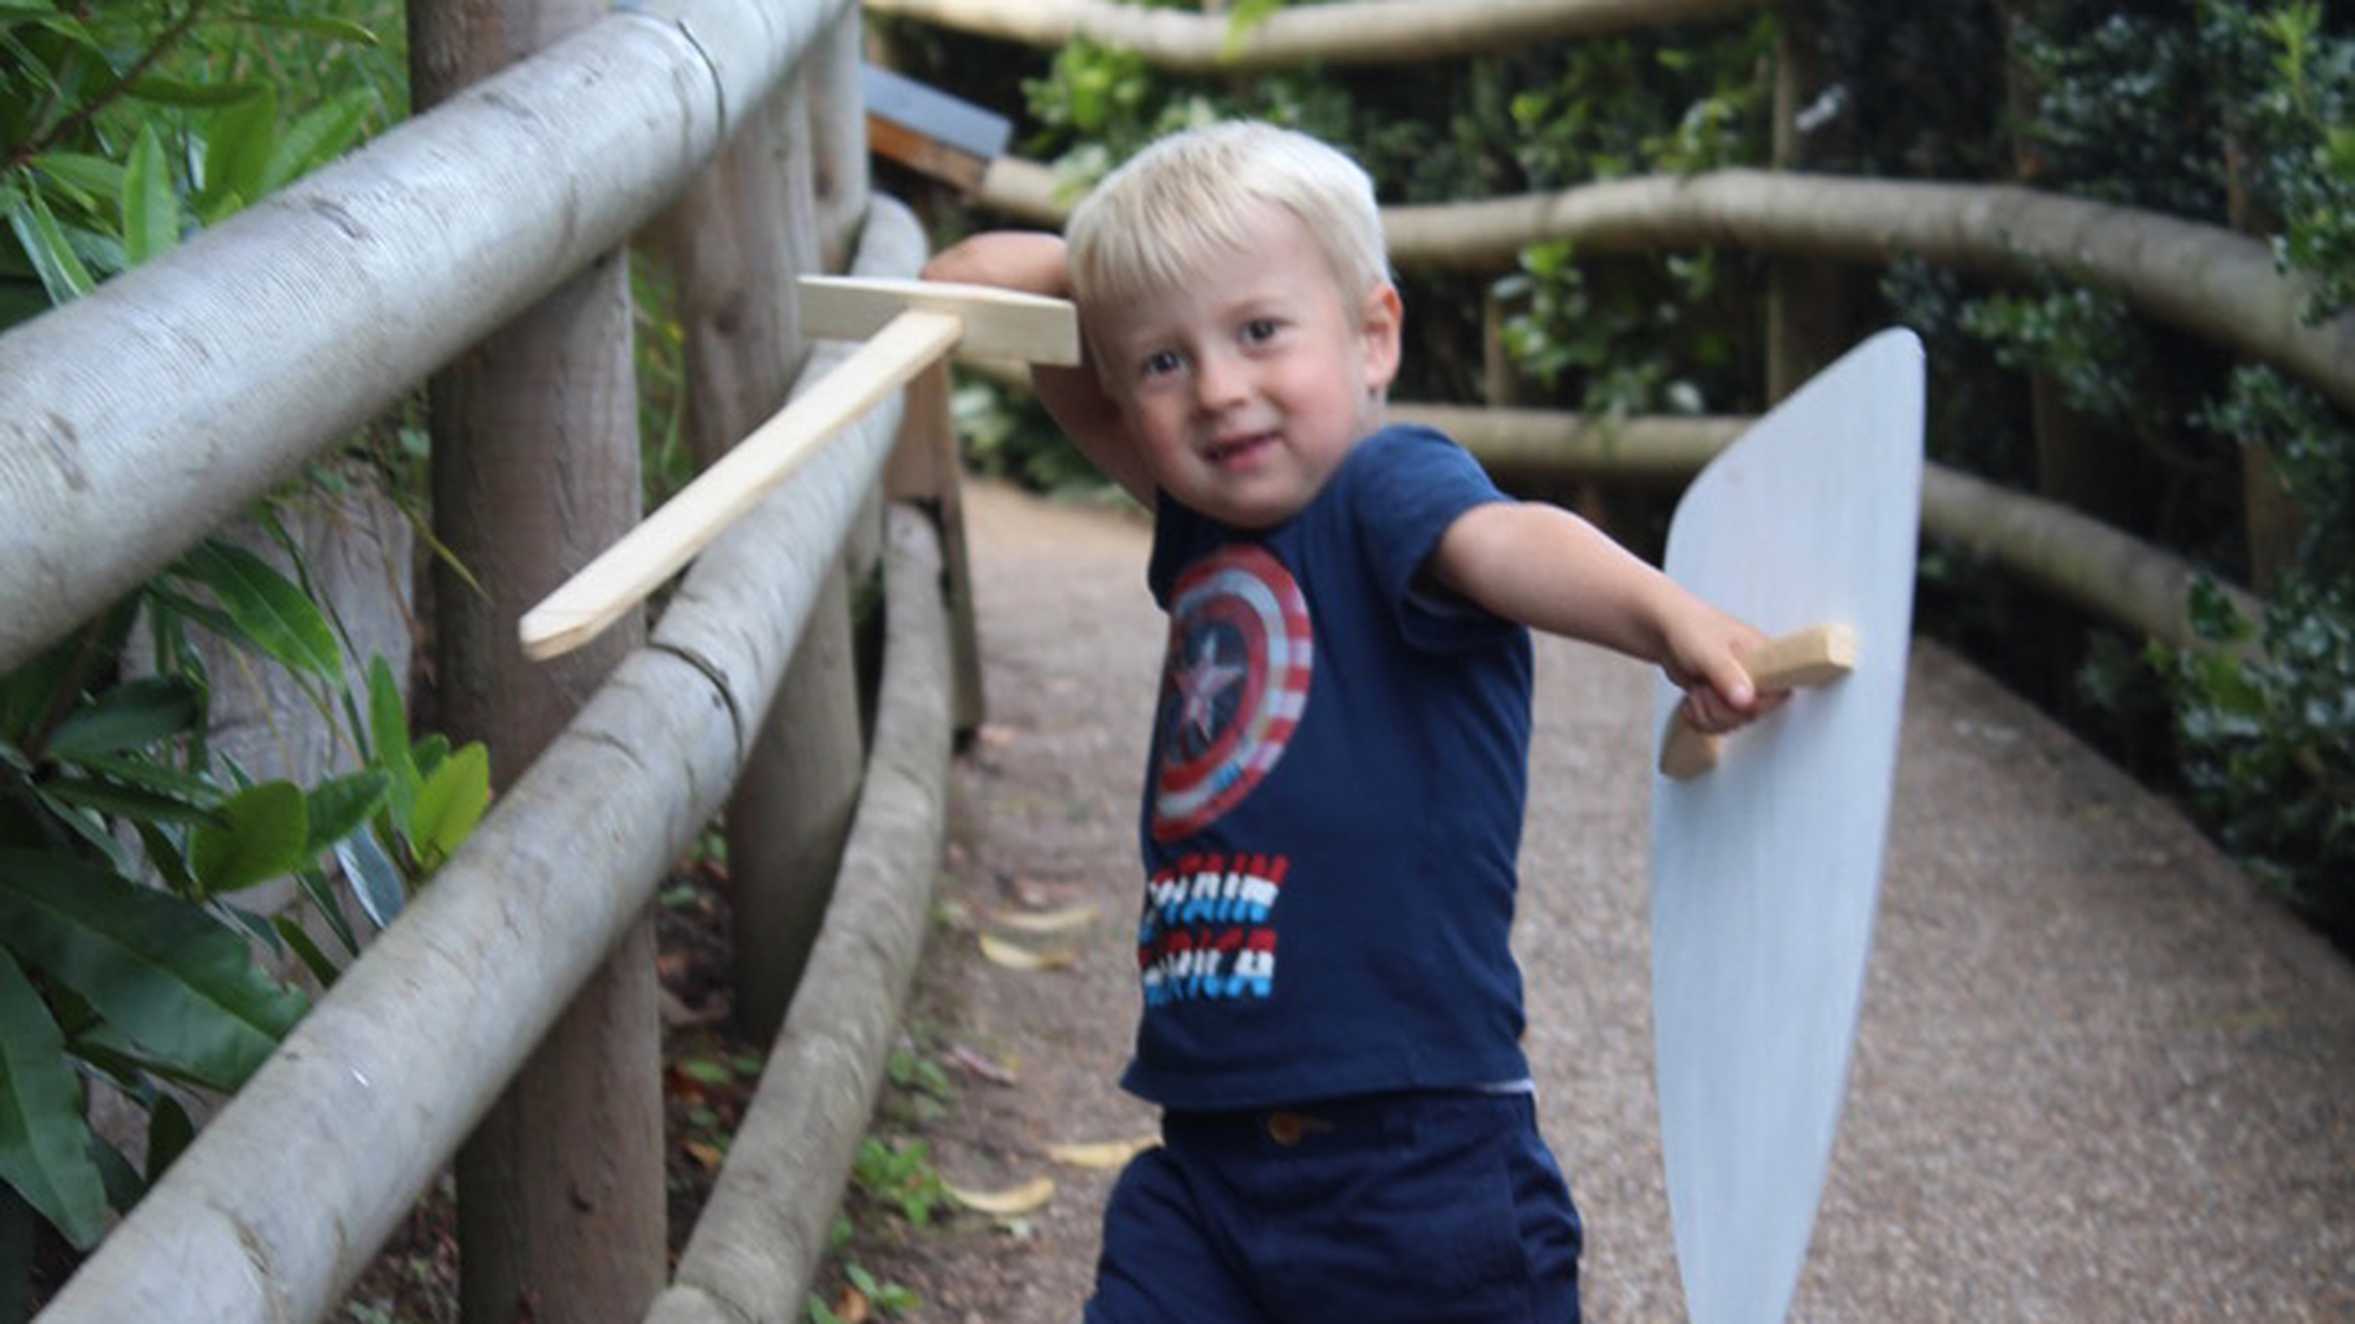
[838,135]
[535,469]
[1812,305]
[792,806]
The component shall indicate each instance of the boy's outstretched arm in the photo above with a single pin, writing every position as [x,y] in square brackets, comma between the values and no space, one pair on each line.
[1033,262]
[1552,571]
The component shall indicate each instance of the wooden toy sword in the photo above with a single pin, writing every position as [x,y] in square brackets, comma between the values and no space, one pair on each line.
[907,325]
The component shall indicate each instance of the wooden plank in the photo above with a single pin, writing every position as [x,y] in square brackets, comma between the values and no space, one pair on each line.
[626,572]
[998,323]
[926,155]
[927,112]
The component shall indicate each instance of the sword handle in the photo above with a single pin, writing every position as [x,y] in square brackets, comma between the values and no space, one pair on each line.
[1805,658]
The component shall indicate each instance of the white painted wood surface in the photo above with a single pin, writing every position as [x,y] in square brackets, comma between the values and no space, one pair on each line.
[1765,870]
[1003,324]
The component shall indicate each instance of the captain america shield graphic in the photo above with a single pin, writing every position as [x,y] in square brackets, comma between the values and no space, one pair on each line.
[1233,686]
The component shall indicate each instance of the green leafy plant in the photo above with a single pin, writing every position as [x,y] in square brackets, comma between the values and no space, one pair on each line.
[898,1175]
[131,124]
[127,842]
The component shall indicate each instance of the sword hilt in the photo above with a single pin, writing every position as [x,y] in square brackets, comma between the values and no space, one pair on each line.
[1805,658]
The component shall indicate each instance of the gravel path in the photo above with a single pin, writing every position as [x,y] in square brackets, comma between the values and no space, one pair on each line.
[2097,1078]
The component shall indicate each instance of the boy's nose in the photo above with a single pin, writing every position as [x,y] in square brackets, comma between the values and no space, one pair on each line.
[1218,381]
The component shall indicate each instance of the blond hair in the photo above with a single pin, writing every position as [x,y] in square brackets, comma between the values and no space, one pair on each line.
[1171,210]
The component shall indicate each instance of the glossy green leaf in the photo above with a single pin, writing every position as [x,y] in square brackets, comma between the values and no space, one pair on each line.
[149,775]
[388,730]
[299,939]
[121,1181]
[319,136]
[95,177]
[429,752]
[376,881]
[341,806]
[167,859]
[452,802]
[268,610]
[151,209]
[44,1144]
[90,826]
[61,270]
[238,145]
[268,833]
[27,692]
[174,92]
[253,922]
[336,28]
[132,715]
[171,980]
[316,886]
[130,802]
[169,1132]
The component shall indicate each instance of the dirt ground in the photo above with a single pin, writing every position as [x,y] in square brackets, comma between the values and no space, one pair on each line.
[2098,1076]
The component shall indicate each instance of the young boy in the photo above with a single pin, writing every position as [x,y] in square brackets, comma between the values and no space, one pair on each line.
[1332,1014]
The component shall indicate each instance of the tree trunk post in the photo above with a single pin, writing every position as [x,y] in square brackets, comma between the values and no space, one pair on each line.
[2272,519]
[535,470]
[738,238]
[1812,306]
[838,138]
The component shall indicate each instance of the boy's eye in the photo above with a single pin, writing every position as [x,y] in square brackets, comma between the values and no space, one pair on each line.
[1160,362]
[1259,329]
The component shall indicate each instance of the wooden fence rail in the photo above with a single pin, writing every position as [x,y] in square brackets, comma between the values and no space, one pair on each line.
[756,1248]
[2211,281]
[1382,32]
[139,417]
[283,1199]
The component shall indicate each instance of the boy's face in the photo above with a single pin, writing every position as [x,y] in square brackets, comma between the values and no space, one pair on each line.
[1247,387]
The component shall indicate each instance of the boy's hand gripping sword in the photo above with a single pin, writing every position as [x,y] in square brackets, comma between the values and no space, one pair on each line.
[1765,867]
[908,325]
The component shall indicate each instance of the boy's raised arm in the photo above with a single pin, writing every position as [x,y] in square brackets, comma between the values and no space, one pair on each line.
[1552,571]
[1033,262]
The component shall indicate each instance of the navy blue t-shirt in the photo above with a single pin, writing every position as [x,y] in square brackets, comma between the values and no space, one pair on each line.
[1333,800]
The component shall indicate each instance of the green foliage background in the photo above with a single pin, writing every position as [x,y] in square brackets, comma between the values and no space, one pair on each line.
[127,842]
[2225,113]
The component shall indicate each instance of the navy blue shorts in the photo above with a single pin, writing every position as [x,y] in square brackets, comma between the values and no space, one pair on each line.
[1413,1209]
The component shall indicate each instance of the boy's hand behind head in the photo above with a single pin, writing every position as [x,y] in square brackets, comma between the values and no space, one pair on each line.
[1026,260]
[1033,262]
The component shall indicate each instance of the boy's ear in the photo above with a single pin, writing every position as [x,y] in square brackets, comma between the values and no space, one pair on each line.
[1380,326]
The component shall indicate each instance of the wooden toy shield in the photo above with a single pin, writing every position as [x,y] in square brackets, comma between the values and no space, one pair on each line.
[1765,868]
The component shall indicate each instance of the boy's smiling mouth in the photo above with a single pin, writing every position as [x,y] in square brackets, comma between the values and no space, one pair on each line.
[1227,450]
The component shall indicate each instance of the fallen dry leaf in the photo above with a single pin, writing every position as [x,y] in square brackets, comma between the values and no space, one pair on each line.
[1015,957]
[1048,921]
[1022,1199]
[707,1155]
[1042,894]
[1102,1153]
[852,1308]
[977,1063]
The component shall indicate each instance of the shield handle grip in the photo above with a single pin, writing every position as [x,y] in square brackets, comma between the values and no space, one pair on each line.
[1814,656]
